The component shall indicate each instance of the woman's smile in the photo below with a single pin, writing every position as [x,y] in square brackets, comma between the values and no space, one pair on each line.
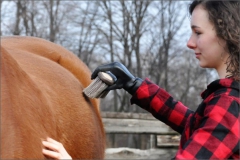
[198,55]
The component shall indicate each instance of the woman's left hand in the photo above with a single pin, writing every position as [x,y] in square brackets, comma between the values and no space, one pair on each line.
[54,149]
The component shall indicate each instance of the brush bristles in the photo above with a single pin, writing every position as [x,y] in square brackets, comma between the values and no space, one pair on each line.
[96,89]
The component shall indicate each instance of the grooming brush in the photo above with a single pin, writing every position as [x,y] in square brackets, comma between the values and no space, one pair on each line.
[97,88]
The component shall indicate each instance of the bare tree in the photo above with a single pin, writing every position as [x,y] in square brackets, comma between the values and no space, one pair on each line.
[144,35]
[165,28]
[124,29]
[140,34]
[52,7]
[88,34]
[16,30]
[21,25]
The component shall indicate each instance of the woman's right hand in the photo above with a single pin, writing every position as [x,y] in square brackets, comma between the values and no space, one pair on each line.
[54,149]
[124,80]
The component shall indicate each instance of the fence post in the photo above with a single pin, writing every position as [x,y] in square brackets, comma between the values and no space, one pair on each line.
[153,139]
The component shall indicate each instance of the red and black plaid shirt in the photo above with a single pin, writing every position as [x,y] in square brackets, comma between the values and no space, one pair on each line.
[211,132]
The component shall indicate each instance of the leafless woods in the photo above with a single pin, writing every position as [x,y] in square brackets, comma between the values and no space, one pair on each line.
[149,37]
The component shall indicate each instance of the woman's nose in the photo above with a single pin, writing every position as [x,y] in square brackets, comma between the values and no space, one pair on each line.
[191,44]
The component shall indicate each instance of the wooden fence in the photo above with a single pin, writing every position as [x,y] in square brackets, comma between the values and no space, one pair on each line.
[161,135]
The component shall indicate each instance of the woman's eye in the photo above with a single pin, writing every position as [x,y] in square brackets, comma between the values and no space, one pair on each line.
[197,33]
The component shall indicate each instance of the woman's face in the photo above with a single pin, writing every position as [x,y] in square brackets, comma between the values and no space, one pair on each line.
[209,49]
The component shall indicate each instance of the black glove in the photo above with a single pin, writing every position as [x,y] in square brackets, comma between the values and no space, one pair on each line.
[124,80]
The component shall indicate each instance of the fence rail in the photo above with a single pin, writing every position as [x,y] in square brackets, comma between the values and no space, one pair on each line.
[141,123]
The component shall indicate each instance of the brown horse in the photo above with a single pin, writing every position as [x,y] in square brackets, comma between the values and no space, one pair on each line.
[41,95]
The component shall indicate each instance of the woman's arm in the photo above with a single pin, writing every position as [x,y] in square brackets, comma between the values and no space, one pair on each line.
[162,105]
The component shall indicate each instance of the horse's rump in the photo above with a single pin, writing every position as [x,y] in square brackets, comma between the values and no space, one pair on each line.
[41,95]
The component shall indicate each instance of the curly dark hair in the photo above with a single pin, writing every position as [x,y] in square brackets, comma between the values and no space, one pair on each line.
[225,16]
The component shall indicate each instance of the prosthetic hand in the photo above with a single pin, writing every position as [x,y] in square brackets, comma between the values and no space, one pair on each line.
[124,80]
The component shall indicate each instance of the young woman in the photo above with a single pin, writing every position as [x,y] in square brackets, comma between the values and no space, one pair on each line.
[212,131]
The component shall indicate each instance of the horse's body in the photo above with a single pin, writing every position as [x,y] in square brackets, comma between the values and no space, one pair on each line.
[41,95]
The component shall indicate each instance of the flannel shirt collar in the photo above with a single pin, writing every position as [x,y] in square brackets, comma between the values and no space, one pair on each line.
[218,84]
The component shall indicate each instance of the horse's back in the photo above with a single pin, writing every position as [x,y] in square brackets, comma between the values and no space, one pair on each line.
[41,95]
